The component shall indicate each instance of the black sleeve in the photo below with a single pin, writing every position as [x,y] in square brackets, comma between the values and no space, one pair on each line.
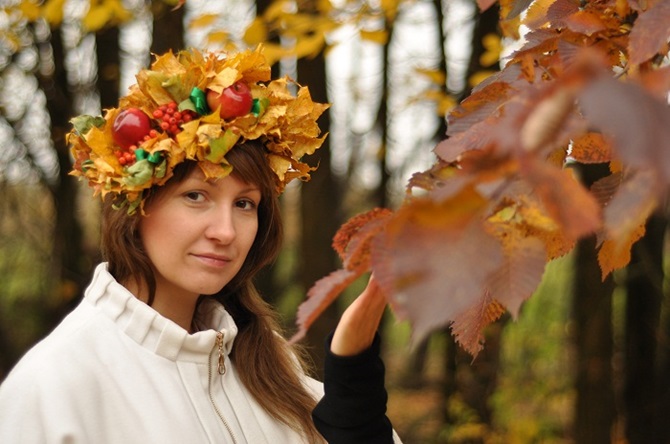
[353,408]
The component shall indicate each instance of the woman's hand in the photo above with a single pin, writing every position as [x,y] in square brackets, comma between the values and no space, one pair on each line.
[358,325]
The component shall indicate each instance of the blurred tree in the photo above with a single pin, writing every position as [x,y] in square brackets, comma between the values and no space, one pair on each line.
[168,28]
[595,409]
[320,203]
[644,295]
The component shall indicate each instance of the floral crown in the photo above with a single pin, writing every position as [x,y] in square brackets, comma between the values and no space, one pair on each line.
[196,106]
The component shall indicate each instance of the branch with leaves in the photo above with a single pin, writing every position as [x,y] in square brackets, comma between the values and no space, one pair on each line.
[473,237]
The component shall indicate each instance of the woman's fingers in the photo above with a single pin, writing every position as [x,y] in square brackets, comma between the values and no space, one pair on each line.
[360,321]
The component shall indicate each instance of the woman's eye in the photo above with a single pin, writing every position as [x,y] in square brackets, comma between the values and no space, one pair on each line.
[194,196]
[246,204]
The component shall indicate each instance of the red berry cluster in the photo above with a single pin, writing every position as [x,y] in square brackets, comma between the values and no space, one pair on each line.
[170,118]
[125,157]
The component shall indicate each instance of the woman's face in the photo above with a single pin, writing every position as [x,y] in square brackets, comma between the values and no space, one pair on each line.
[197,234]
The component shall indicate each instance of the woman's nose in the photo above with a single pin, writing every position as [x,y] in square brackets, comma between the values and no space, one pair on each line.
[221,226]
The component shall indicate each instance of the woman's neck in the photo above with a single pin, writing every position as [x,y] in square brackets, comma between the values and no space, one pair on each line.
[179,307]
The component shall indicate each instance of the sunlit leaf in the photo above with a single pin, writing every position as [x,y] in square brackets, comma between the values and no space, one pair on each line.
[309,45]
[30,10]
[436,76]
[100,15]
[380,37]
[256,32]
[203,21]
[492,49]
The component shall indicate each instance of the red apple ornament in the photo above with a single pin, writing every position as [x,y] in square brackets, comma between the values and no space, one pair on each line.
[234,101]
[130,127]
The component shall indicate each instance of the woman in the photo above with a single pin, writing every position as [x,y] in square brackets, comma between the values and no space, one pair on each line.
[172,343]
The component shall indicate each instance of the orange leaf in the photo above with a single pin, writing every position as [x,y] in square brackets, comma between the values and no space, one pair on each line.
[352,240]
[615,254]
[585,22]
[591,148]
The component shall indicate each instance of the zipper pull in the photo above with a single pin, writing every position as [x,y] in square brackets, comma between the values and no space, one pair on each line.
[221,366]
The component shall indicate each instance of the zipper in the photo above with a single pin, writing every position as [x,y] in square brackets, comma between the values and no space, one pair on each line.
[221,369]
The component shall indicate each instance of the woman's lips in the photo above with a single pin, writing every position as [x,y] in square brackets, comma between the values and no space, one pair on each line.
[213,260]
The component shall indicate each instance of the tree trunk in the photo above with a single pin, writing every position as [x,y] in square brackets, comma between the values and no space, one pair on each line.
[644,289]
[663,379]
[320,211]
[70,263]
[109,72]
[168,30]
[592,314]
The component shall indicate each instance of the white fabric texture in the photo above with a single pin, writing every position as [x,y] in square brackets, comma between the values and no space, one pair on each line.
[116,371]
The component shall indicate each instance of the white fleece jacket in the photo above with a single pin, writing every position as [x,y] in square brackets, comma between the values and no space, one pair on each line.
[116,371]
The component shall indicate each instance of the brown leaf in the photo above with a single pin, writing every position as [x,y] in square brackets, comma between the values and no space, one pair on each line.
[604,189]
[469,325]
[566,200]
[520,272]
[546,120]
[518,7]
[650,33]
[477,137]
[432,263]
[561,10]
[319,297]
[635,199]
[637,123]
[478,106]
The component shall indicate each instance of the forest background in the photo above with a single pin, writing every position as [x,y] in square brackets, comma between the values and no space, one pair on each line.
[530,233]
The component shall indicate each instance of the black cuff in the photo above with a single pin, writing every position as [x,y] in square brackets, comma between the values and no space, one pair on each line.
[353,409]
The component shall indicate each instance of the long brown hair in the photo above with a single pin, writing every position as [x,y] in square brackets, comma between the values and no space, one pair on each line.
[269,368]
